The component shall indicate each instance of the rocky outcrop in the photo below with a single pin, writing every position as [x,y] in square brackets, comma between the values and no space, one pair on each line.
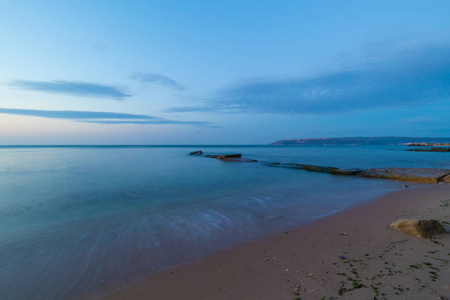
[346,172]
[233,157]
[419,228]
[312,168]
[227,156]
[200,152]
[432,149]
[427,175]
[321,169]
[422,175]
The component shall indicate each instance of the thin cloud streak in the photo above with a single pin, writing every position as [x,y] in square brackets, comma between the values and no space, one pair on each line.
[159,79]
[152,122]
[409,78]
[99,117]
[72,114]
[72,88]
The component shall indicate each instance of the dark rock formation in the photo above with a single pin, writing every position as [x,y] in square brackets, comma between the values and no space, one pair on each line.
[431,149]
[346,172]
[227,156]
[312,168]
[241,159]
[423,175]
[427,175]
[200,152]
[321,169]
[233,157]
[419,228]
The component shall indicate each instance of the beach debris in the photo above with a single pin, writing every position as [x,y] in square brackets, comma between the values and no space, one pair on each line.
[405,186]
[199,152]
[344,233]
[419,228]
[262,251]
[266,259]
[445,179]
[297,289]
[341,256]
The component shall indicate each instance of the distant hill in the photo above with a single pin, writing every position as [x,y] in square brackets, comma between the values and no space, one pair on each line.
[387,140]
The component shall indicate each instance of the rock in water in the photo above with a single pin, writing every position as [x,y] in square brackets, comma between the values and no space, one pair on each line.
[320,169]
[200,152]
[346,172]
[227,156]
[419,228]
[428,175]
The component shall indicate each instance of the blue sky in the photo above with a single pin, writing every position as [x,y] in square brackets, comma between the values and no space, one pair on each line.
[221,72]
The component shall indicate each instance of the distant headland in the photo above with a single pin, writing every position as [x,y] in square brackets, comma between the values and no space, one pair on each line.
[387,140]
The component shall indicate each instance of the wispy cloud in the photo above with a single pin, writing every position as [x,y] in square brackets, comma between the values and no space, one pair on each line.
[99,117]
[154,122]
[72,114]
[159,79]
[413,76]
[79,89]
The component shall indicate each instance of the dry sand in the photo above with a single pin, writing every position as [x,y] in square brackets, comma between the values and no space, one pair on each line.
[349,255]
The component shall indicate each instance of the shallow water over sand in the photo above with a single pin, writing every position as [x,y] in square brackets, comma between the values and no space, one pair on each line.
[76,220]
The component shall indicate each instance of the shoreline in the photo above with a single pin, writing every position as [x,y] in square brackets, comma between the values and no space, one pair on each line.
[349,254]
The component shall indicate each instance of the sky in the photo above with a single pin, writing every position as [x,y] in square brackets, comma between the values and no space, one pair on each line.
[221,72]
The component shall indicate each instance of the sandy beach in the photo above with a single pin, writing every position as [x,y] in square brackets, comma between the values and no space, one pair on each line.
[350,255]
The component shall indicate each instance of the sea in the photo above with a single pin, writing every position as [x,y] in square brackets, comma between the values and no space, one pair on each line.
[76,221]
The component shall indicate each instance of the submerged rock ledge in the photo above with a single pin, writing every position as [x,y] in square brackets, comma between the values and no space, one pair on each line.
[422,175]
[431,149]
[225,157]
[428,175]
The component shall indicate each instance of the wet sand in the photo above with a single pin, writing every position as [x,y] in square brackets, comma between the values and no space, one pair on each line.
[350,255]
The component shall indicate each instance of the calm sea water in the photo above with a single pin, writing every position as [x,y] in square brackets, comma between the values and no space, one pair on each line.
[75,221]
